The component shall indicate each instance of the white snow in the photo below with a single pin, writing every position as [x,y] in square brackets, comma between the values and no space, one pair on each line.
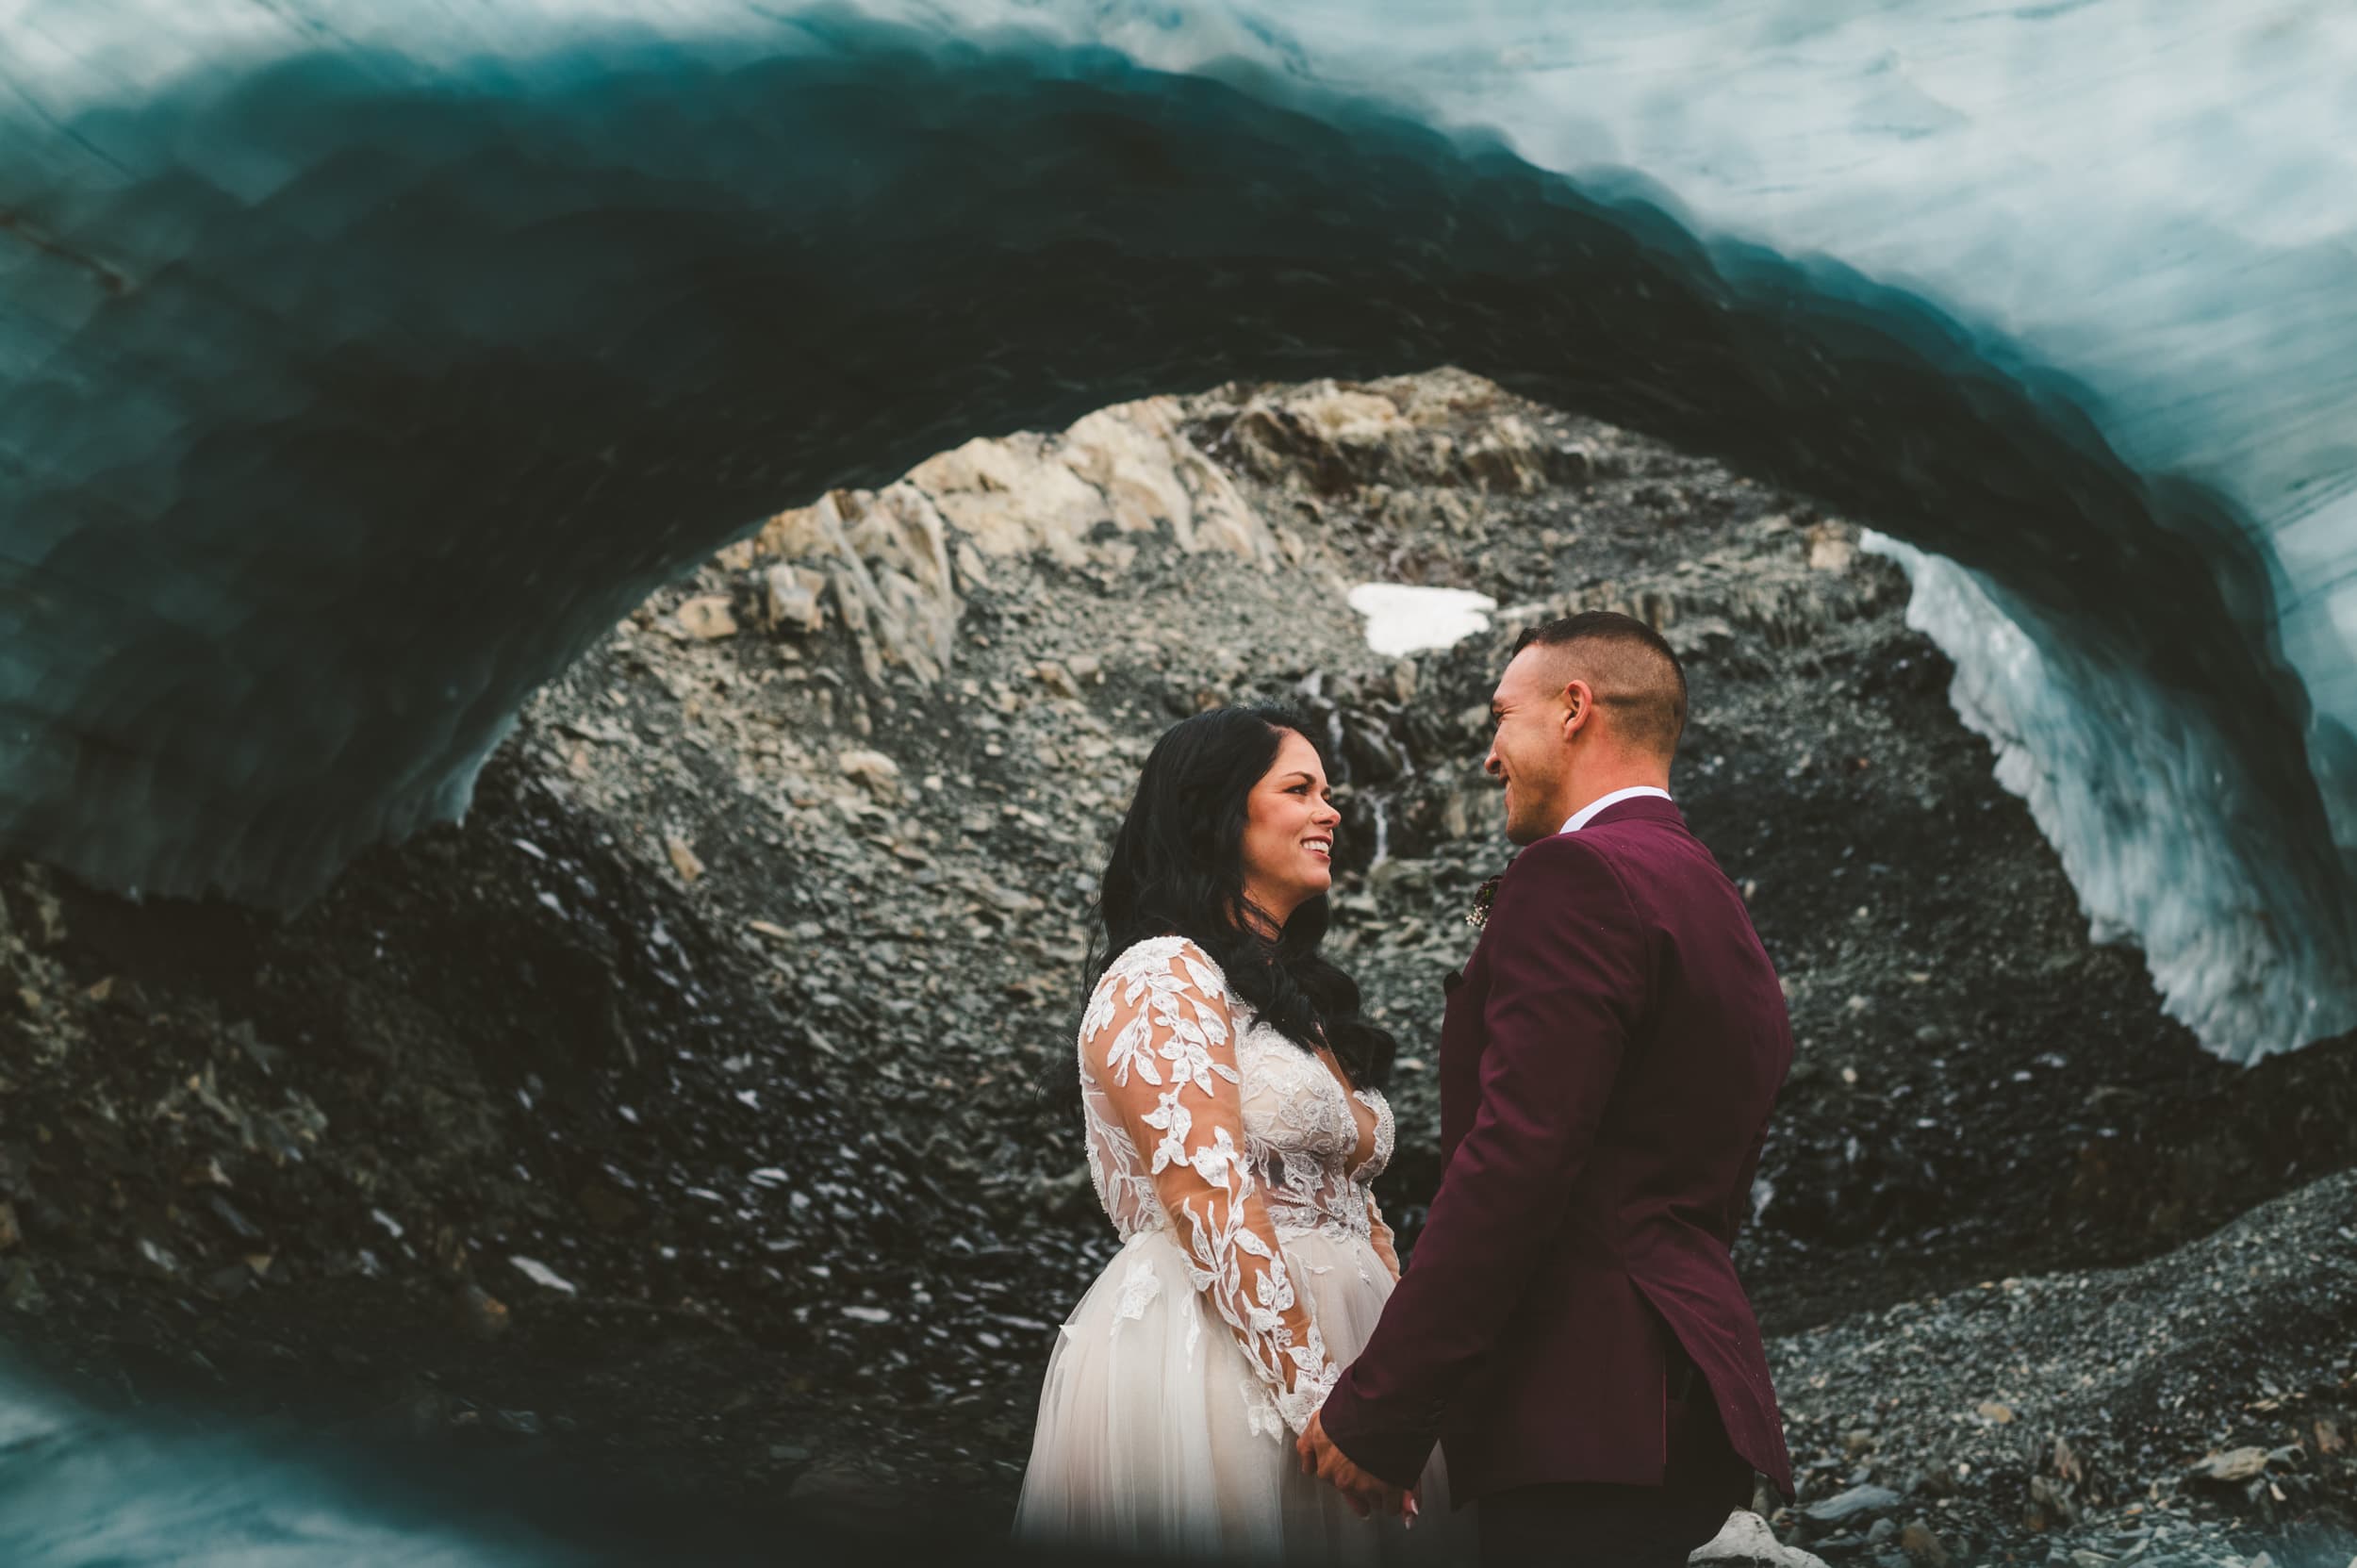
[1404,618]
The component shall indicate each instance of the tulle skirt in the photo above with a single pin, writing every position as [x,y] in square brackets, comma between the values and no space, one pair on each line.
[1147,1439]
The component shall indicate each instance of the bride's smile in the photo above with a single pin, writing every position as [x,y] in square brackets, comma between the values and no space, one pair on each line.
[1290,823]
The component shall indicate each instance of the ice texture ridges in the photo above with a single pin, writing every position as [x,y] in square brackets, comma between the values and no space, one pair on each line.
[360,364]
[2115,781]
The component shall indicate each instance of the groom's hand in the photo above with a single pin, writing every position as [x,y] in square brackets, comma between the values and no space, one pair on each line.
[1365,1493]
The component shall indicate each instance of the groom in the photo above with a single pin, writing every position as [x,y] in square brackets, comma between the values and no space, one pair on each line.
[1572,1330]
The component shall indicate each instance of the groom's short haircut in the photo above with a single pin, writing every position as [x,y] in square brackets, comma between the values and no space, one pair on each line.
[1628,667]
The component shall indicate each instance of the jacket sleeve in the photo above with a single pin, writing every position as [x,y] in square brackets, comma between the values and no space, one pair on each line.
[1569,974]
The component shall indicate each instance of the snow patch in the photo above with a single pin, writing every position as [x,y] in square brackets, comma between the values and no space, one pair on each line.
[1404,618]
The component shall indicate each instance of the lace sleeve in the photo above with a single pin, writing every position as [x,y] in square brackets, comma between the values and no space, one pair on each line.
[1159,1045]
[1380,1235]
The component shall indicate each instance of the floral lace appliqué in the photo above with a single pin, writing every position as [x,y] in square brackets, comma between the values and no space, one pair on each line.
[1139,1286]
[1206,1122]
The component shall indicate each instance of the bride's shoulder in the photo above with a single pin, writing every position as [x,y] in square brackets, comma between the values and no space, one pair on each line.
[1158,957]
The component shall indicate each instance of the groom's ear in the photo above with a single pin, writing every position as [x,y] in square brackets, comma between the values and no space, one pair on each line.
[1579,705]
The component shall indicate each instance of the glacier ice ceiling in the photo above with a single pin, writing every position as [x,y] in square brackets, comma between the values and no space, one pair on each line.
[360,364]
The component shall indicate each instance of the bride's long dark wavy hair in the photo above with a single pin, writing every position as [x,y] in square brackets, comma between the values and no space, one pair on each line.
[1177,869]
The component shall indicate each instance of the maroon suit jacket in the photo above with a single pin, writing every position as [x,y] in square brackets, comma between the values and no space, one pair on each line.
[1607,1063]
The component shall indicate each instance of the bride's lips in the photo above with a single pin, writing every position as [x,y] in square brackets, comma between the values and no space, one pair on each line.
[1319,846]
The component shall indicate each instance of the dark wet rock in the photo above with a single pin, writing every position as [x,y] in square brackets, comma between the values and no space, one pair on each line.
[2232,1468]
[2052,1505]
[1923,1546]
[1856,1502]
[19,1287]
[846,1495]
[236,1223]
[481,1313]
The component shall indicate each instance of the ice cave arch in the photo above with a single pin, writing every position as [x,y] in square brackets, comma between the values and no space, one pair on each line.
[356,370]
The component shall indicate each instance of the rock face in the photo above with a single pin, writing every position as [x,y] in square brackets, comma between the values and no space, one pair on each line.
[2069,1352]
[880,561]
[735,1008]
[1129,466]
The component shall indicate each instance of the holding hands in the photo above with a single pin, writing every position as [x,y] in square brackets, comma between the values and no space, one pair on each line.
[1367,1494]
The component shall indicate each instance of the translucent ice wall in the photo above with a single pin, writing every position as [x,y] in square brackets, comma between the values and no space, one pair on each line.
[79,1488]
[360,363]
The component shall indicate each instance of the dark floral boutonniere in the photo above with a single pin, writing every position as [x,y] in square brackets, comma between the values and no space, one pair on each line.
[1484,897]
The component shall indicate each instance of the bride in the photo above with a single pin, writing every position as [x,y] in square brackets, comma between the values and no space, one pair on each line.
[1228,1089]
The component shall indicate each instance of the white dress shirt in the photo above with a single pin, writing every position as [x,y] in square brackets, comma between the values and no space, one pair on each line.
[1579,819]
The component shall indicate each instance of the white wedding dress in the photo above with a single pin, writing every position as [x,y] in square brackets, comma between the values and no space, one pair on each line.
[1236,1167]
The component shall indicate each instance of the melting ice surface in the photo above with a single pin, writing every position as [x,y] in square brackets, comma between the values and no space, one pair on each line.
[359,364]
[1405,617]
[78,1489]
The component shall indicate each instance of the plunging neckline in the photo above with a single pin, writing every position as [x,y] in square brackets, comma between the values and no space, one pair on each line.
[1369,1135]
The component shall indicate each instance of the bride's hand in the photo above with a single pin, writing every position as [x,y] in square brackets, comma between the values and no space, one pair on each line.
[1366,1495]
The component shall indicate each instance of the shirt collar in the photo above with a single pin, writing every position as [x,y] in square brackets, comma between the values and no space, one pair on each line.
[1581,817]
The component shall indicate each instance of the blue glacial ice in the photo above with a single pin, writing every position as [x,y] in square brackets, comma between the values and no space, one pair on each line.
[80,1487]
[360,364]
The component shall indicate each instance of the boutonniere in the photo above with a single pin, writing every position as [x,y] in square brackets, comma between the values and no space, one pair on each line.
[1484,897]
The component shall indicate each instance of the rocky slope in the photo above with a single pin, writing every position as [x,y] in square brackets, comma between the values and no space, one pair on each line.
[675,1119]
